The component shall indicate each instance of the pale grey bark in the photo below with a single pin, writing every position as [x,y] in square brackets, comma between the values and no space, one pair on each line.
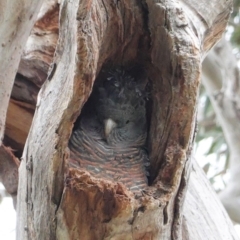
[17,19]
[204,216]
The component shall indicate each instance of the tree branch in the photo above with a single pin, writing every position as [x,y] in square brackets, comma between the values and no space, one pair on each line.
[17,19]
[221,78]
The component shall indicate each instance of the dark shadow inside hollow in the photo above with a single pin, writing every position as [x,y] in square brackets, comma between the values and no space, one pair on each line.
[109,138]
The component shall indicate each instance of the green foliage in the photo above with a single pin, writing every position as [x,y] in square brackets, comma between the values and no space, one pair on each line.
[234,22]
[215,150]
[235,38]
[236,6]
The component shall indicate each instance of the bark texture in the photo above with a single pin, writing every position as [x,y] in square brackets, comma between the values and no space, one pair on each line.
[17,19]
[169,39]
[203,208]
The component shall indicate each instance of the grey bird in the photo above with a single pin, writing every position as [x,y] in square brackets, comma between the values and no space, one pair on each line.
[109,139]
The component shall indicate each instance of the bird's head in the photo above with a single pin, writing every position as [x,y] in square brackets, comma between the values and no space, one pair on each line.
[120,102]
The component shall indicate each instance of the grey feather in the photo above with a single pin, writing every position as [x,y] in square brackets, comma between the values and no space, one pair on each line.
[109,139]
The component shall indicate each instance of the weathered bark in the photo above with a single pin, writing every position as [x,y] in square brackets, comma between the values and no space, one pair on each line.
[221,79]
[169,39]
[32,72]
[17,19]
[203,215]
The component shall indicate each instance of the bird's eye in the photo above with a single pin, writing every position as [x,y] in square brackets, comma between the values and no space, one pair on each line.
[116,84]
[138,92]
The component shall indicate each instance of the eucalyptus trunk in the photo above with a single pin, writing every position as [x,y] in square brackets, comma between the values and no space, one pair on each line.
[168,38]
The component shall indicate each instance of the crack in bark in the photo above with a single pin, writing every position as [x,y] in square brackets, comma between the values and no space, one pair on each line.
[104,5]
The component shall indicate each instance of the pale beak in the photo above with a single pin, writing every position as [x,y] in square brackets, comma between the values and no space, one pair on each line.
[109,125]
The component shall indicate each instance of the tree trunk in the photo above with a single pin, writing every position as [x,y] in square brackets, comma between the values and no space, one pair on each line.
[203,214]
[169,39]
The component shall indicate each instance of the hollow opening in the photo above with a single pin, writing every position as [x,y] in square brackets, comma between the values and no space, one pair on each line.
[109,138]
